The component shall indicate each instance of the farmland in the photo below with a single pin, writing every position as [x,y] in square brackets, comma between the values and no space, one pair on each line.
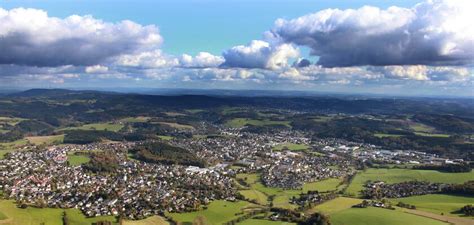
[401,175]
[38,140]
[264,222]
[357,216]
[97,126]
[281,197]
[291,147]
[217,212]
[50,216]
[438,203]
[153,220]
[240,122]
[77,159]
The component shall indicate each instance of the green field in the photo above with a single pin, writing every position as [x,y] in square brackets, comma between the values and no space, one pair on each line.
[419,127]
[432,135]
[438,203]
[97,126]
[76,160]
[263,222]
[381,135]
[2,216]
[281,196]
[11,120]
[217,212]
[336,205]
[401,175]
[322,119]
[165,137]
[38,140]
[138,119]
[153,220]
[241,122]
[290,146]
[371,216]
[195,110]
[323,186]
[11,146]
[48,216]
[255,195]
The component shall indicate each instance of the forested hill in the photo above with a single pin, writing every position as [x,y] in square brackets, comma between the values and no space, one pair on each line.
[87,100]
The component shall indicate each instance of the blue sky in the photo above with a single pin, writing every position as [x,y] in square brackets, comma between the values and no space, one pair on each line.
[191,26]
[400,47]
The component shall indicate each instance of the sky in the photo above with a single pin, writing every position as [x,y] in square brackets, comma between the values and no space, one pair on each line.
[399,47]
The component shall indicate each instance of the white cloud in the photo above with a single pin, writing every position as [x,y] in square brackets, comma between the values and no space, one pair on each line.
[147,59]
[96,69]
[431,33]
[202,59]
[260,54]
[31,37]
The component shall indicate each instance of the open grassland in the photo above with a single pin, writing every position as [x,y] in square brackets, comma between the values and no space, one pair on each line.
[323,186]
[138,119]
[193,111]
[438,203]
[76,160]
[2,216]
[241,122]
[419,127]
[165,137]
[322,119]
[230,110]
[290,146]
[263,222]
[255,195]
[174,114]
[335,205]
[432,135]
[281,197]
[11,146]
[341,212]
[48,216]
[12,121]
[371,215]
[153,220]
[217,212]
[382,135]
[401,175]
[39,140]
[97,126]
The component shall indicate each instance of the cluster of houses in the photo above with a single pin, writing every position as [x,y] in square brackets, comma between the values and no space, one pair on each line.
[44,178]
[135,190]
[380,189]
[290,170]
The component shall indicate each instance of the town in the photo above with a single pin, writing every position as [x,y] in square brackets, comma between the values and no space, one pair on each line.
[42,177]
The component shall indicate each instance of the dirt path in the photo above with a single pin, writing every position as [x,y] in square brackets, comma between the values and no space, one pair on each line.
[448,219]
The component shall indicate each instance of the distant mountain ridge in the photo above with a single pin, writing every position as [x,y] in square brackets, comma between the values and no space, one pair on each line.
[325,104]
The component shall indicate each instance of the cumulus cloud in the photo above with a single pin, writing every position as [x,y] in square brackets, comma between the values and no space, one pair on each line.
[96,69]
[260,54]
[31,37]
[422,73]
[437,32]
[202,60]
[147,59]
